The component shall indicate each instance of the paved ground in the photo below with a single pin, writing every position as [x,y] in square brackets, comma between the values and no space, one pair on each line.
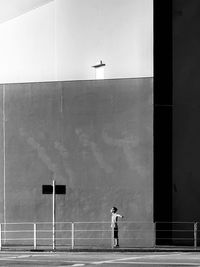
[107,259]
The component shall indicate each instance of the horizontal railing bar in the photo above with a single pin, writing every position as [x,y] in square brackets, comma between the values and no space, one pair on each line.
[18,231]
[83,230]
[66,238]
[99,222]
[16,239]
[175,238]
[174,230]
[99,238]
[79,230]
[56,238]
[7,223]
[118,222]
[55,231]
[173,222]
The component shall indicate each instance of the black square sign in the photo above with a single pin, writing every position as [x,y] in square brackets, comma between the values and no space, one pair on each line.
[59,189]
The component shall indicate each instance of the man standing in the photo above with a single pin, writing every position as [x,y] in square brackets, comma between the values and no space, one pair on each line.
[114,226]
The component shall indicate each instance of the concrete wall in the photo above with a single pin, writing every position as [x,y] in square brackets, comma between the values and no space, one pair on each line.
[186,111]
[95,137]
[1,155]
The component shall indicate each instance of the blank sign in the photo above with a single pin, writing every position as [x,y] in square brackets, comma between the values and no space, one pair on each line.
[59,189]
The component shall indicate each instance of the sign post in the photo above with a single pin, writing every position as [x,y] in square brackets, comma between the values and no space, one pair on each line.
[54,190]
[54,213]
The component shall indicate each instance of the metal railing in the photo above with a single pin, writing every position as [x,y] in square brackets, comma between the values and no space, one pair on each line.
[97,234]
[178,233]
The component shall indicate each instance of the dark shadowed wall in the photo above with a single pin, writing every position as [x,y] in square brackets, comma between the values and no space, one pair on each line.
[186,126]
[95,137]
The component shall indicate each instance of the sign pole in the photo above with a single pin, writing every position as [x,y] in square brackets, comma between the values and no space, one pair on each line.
[54,214]
[54,189]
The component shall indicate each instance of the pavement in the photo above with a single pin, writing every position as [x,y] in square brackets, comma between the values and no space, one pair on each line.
[102,259]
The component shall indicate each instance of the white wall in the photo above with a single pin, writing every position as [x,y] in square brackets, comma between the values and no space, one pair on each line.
[27,46]
[63,39]
[120,32]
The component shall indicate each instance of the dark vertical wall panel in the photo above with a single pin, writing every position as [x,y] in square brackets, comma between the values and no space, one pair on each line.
[186,126]
[162,52]
[163,119]
[93,136]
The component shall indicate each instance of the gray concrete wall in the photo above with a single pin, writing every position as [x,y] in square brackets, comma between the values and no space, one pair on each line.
[95,137]
[1,154]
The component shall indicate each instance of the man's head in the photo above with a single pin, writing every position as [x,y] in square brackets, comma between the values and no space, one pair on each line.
[114,209]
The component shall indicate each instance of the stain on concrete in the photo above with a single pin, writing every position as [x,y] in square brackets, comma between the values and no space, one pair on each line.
[93,147]
[66,159]
[127,143]
[42,154]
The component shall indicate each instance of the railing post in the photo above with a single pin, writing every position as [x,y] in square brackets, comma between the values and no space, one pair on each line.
[195,235]
[112,236]
[35,235]
[4,233]
[0,237]
[154,234]
[73,241]
[54,216]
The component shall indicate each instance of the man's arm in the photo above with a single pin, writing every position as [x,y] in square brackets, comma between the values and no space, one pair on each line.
[119,215]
